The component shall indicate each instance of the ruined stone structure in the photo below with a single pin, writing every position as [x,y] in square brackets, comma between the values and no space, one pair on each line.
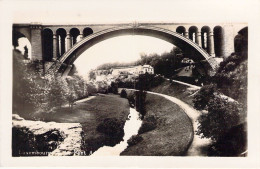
[60,45]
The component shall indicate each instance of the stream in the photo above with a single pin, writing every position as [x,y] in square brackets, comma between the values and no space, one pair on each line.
[132,125]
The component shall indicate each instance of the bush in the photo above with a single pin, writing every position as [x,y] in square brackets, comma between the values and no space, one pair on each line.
[33,93]
[202,98]
[92,90]
[222,115]
[25,141]
[233,143]
[131,99]
[112,127]
[140,97]
[113,88]
[123,93]
[134,140]
[148,124]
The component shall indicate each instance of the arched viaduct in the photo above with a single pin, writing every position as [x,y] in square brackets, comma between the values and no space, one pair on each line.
[60,45]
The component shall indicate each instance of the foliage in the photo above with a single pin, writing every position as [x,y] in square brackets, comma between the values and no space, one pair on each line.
[203,96]
[149,123]
[92,90]
[142,82]
[32,92]
[134,140]
[140,97]
[46,142]
[111,127]
[123,93]
[222,115]
[233,143]
[102,87]
[231,78]
[163,64]
[92,75]
[131,99]
[24,136]
[113,88]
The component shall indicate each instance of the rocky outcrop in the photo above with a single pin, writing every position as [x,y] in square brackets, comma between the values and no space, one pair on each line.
[68,136]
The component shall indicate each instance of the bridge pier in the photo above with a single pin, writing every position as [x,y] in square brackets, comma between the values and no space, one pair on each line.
[186,34]
[80,36]
[36,41]
[198,38]
[68,37]
[211,43]
[55,47]
[216,39]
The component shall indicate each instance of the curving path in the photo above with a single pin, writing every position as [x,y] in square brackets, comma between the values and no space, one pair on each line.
[198,145]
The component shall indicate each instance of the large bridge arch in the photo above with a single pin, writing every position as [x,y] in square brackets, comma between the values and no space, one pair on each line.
[190,48]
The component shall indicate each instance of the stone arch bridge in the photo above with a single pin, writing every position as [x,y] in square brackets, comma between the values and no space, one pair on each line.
[58,46]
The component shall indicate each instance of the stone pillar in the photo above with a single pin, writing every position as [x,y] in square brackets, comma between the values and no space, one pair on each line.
[80,36]
[68,38]
[55,47]
[186,34]
[36,41]
[198,39]
[211,43]
[67,70]
[228,40]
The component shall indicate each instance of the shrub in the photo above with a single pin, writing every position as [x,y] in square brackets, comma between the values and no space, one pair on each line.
[134,140]
[123,93]
[222,115]
[202,98]
[112,127]
[233,143]
[22,141]
[131,99]
[148,124]
[92,90]
[26,141]
[114,88]
[140,97]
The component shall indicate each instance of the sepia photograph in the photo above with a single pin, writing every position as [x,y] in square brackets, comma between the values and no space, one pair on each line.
[88,86]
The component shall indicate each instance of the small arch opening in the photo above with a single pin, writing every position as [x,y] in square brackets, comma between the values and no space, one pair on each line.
[47,44]
[87,31]
[61,35]
[21,43]
[181,30]
[204,37]
[193,33]
[74,32]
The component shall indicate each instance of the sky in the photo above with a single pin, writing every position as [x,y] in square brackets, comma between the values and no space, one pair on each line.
[123,49]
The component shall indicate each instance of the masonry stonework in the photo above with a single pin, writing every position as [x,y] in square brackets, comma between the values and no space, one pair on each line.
[33,32]
[228,46]
[36,42]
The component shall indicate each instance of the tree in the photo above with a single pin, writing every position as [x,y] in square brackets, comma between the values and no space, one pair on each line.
[113,88]
[203,96]
[112,127]
[123,93]
[221,117]
[92,75]
[140,97]
[58,92]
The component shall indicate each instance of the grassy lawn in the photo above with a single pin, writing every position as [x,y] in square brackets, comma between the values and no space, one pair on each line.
[173,134]
[90,114]
[176,90]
